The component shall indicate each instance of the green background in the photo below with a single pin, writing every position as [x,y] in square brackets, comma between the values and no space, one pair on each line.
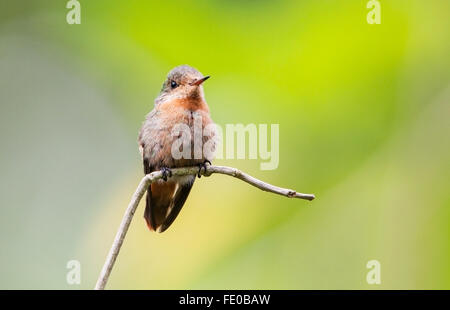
[363,112]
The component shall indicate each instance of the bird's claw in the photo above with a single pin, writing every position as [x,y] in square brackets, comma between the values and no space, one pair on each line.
[202,165]
[166,172]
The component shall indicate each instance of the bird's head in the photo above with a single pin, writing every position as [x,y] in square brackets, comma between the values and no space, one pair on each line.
[182,82]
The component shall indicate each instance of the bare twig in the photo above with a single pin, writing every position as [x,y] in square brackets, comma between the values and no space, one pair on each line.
[149,178]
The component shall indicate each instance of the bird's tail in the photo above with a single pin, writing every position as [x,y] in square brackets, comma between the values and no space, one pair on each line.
[164,202]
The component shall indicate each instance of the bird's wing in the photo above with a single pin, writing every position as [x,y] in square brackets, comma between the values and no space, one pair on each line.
[179,199]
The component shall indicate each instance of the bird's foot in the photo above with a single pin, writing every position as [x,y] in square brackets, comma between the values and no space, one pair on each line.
[166,172]
[202,165]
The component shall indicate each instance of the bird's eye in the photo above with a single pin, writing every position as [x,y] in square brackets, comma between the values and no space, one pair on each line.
[173,84]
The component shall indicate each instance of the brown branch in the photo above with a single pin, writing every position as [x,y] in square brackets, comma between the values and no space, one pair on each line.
[149,178]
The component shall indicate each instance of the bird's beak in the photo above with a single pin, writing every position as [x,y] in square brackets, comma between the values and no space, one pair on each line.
[200,81]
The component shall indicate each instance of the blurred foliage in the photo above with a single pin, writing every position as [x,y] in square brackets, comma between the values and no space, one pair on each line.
[363,113]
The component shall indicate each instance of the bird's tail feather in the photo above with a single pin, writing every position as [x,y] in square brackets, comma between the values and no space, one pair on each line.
[164,202]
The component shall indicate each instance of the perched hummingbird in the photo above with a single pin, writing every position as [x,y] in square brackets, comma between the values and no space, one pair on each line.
[181,98]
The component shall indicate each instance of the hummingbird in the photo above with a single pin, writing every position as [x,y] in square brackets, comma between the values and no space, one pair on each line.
[180,99]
